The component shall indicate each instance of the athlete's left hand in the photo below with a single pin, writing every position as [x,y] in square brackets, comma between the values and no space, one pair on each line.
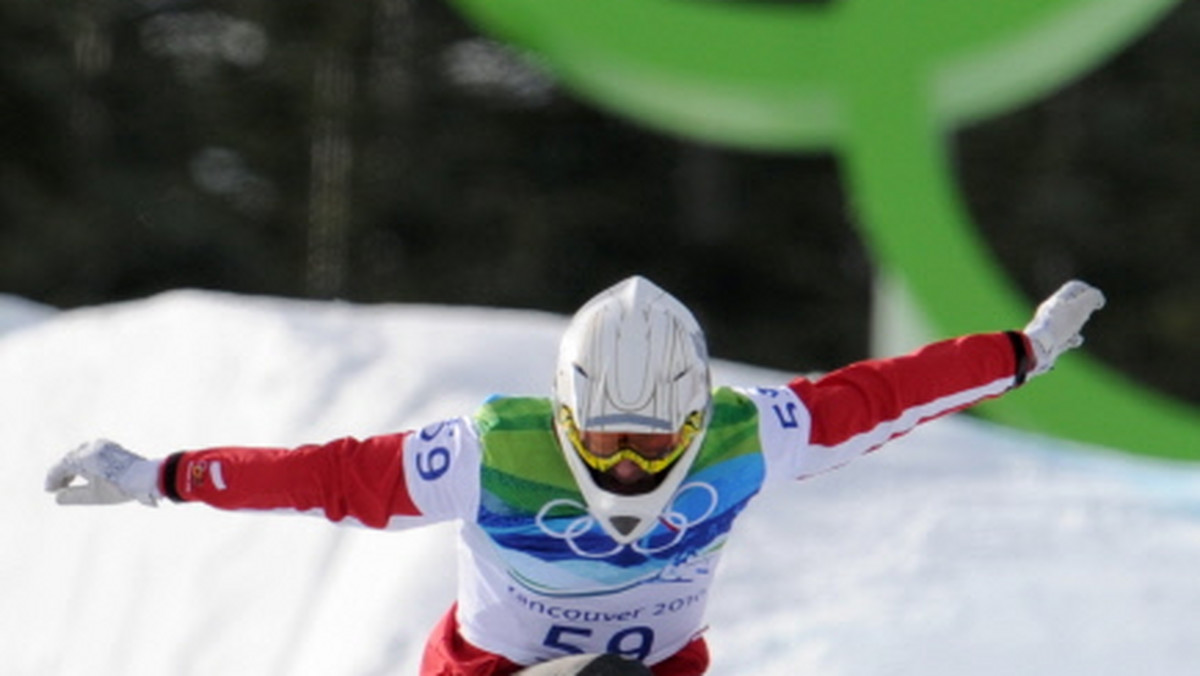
[1056,326]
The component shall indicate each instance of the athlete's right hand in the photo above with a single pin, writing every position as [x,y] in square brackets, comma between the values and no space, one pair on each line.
[110,474]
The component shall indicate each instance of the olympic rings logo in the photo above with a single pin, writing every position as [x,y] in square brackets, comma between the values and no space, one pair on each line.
[674,522]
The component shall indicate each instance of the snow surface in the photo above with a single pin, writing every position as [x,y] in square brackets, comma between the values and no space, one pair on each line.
[962,549]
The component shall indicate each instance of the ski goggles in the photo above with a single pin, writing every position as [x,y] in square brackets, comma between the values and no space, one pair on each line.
[653,452]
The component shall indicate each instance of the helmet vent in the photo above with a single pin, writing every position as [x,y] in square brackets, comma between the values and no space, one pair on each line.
[624,524]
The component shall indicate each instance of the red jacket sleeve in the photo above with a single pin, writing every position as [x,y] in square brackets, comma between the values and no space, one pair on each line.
[360,479]
[855,409]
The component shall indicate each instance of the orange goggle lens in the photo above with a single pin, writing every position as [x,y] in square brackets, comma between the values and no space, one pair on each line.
[651,451]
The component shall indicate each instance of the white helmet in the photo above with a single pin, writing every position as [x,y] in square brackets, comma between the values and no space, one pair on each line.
[632,363]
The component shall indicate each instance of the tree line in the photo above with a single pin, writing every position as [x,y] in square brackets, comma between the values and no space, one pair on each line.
[384,151]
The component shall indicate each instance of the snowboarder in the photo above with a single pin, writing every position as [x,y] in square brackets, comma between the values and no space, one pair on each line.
[592,520]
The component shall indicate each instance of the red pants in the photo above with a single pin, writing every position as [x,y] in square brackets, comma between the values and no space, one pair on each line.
[447,654]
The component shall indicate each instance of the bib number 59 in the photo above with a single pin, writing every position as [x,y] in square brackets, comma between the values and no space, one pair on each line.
[632,642]
[432,463]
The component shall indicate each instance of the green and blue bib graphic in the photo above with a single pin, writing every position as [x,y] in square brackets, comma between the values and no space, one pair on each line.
[532,510]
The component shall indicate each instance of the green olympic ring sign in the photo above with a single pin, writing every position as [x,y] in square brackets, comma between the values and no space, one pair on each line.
[879,83]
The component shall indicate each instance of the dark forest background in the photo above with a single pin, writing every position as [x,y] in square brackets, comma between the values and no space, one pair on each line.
[383,151]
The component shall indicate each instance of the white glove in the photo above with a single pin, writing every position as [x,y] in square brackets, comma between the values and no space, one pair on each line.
[1058,321]
[111,474]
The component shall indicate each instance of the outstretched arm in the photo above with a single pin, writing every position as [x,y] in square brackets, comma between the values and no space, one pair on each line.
[348,477]
[856,409]
[395,480]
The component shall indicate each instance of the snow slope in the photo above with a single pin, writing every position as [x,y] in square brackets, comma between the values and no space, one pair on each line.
[961,549]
